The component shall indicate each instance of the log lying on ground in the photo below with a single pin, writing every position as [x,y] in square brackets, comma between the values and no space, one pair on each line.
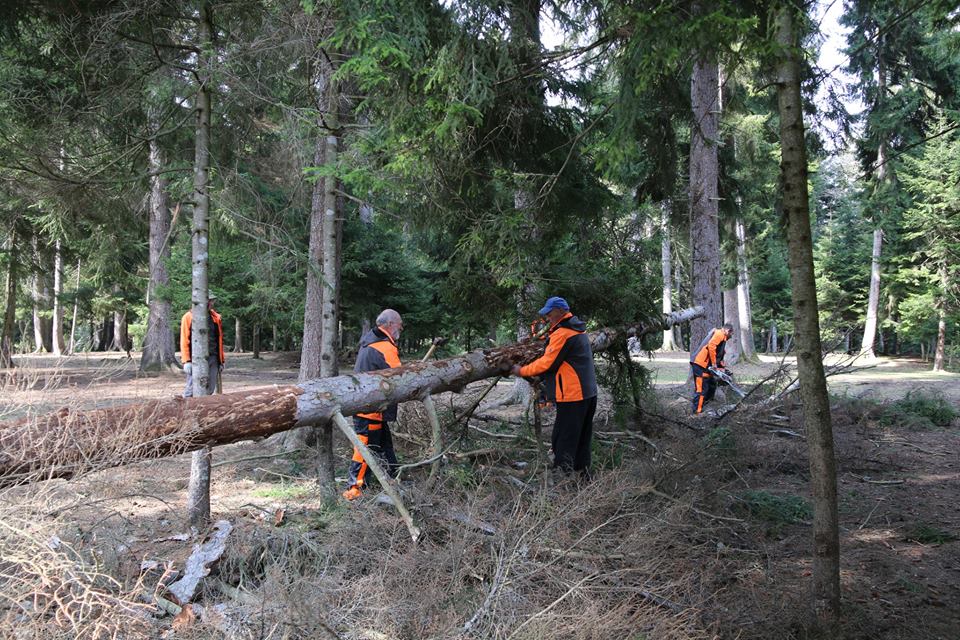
[70,441]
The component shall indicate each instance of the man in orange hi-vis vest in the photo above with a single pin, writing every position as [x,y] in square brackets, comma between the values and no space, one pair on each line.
[378,350]
[708,355]
[571,382]
[215,355]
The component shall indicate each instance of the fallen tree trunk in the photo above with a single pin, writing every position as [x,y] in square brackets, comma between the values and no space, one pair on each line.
[70,441]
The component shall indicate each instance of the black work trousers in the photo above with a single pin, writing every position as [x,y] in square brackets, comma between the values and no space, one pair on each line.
[704,387]
[572,433]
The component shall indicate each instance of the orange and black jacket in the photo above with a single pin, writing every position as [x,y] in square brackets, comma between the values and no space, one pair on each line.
[377,351]
[567,362]
[215,339]
[710,352]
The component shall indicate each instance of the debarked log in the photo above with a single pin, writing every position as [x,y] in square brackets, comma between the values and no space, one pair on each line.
[70,441]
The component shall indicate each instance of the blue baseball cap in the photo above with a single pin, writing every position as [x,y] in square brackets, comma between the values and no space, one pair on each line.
[554,303]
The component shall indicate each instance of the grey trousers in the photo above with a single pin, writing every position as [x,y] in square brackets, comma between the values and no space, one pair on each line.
[213,362]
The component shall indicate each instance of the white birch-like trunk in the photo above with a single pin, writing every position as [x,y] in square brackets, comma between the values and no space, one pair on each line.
[238,336]
[330,291]
[57,329]
[665,265]
[10,305]
[76,304]
[873,303]
[198,491]
[941,343]
[744,304]
[733,352]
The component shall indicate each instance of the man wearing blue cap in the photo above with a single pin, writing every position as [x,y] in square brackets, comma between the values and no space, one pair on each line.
[571,382]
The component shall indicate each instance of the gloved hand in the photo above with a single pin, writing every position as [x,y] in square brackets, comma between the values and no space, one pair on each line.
[188,368]
[220,367]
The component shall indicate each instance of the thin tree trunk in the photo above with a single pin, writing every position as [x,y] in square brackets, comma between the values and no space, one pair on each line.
[312,322]
[256,342]
[66,442]
[159,351]
[57,327]
[774,339]
[704,209]
[941,343]
[665,264]
[41,299]
[198,492]
[813,384]
[873,304]
[10,308]
[744,303]
[331,284]
[76,304]
[238,337]
[733,353]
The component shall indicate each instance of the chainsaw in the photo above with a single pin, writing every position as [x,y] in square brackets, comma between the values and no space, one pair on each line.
[727,379]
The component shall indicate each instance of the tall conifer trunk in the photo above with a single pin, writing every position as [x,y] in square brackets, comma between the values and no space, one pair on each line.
[198,491]
[704,209]
[159,351]
[813,383]
[884,179]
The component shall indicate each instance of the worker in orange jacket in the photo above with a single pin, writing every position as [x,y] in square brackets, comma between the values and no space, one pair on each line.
[571,382]
[215,355]
[378,351]
[708,354]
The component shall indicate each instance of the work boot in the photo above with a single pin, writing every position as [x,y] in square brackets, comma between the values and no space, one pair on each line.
[352,494]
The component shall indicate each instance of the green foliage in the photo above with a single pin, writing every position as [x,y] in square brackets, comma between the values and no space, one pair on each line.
[721,441]
[607,456]
[919,409]
[776,510]
[916,410]
[929,534]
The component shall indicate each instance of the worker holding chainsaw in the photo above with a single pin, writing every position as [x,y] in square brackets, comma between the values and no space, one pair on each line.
[707,364]
[571,382]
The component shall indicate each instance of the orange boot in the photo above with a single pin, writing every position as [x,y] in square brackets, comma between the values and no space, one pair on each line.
[352,493]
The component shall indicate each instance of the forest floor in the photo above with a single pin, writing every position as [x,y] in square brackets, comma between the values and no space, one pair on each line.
[700,531]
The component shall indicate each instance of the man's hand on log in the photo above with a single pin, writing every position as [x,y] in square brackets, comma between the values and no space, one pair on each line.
[515,370]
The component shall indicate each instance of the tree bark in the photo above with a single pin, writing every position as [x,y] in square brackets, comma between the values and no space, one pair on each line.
[941,343]
[70,441]
[813,384]
[331,286]
[744,304]
[318,357]
[57,328]
[665,264]
[312,321]
[41,302]
[733,353]
[159,351]
[198,492]
[10,308]
[704,209]
[873,304]
[238,336]
[119,330]
[256,342]
[76,304]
